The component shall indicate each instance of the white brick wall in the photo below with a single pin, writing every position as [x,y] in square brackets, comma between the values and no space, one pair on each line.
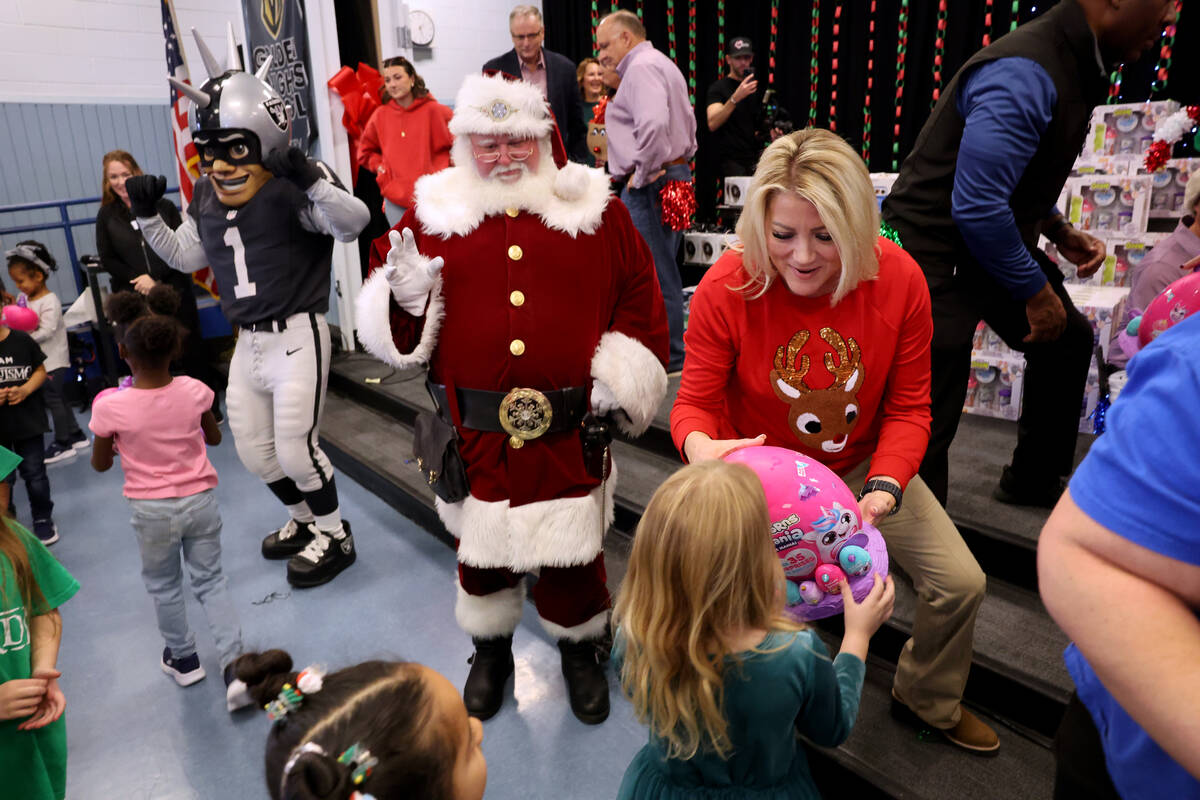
[92,51]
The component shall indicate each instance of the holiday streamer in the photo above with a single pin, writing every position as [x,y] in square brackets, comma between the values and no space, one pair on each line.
[1163,68]
[901,55]
[866,135]
[987,23]
[692,51]
[939,51]
[833,67]
[814,50]
[771,44]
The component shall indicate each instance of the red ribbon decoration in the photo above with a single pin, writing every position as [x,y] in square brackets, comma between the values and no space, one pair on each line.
[359,93]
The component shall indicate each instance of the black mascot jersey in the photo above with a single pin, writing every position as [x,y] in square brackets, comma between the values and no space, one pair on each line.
[267,264]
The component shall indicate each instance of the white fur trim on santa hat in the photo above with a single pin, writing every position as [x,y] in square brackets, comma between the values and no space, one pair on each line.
[454,201]
[593,628]
[492,105]
[551,533]
[489,615]
[375,328]
[635,375]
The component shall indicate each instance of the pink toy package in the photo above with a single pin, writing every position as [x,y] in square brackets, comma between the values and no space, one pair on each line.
[816,529]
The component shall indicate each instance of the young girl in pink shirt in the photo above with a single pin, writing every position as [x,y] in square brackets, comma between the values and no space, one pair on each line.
[160,425]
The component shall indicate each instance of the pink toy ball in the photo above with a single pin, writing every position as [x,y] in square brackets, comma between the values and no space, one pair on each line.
[814,519]
[1176,303]
[19,318]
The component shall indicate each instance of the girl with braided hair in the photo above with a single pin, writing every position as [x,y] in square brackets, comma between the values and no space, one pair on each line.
[378,729]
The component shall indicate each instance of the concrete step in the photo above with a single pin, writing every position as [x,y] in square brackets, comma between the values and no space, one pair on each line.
[883,757]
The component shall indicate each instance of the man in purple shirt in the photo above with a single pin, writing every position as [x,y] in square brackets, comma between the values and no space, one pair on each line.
[651,130]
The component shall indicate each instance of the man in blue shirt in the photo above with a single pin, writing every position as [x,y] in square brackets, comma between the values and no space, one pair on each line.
[1119,570]
[970,202]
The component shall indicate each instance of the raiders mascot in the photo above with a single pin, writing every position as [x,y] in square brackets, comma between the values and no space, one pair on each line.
[264,217]
[524,286]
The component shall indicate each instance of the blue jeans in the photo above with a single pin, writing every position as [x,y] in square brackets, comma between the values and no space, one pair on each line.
[191,525]
[646,211]
[66,429]
[32,450]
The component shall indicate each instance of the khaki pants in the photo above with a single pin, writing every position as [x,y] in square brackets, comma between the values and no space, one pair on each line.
[932,670]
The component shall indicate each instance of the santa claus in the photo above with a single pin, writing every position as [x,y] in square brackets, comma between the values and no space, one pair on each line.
[525,288]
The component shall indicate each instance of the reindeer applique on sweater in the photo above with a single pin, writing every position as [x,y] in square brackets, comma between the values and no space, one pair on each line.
[821,419]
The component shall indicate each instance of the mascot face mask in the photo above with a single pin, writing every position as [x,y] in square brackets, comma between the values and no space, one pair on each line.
[237,119]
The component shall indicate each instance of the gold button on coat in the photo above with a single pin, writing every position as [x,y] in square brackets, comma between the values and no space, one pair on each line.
[515,443]
[516,347]
[512,212]
[515,252]
[517,298]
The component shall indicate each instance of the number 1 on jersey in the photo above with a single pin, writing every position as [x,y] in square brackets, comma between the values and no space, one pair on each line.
[244,286]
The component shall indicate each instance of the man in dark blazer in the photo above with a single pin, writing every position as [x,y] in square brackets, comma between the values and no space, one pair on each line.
[554,74]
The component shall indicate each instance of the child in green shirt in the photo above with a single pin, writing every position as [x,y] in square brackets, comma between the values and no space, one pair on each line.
[33,733]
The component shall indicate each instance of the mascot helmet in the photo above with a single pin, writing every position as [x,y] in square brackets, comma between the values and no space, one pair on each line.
[235,101]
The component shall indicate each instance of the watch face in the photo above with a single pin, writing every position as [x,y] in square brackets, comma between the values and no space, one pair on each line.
[420,25]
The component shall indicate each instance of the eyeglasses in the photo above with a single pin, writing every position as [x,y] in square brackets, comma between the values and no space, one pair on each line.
[515,153]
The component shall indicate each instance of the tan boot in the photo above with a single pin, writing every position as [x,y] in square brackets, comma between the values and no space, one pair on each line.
[971,733]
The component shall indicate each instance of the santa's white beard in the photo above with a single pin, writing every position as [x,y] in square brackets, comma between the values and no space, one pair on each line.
[495,195]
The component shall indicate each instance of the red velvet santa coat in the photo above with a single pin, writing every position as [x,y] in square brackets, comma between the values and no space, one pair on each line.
[550,295]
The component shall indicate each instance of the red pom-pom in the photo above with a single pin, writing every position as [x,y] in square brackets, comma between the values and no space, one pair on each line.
[678,204]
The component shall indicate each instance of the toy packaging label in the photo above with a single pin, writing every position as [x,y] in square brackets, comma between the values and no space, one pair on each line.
[995,384]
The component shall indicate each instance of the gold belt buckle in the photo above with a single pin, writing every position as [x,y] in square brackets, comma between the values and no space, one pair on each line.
[525,414]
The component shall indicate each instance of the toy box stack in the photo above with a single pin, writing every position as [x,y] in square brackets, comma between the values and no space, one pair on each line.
[997,373]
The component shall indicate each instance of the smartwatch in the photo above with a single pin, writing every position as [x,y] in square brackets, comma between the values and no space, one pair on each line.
[876,485]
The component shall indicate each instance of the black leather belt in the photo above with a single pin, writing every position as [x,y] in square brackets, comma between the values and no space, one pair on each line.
[266,326]
[480,409]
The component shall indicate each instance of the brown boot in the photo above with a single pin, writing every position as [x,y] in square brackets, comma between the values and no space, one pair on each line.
[971,733]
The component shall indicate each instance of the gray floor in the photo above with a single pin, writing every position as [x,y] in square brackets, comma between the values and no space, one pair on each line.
[133,734]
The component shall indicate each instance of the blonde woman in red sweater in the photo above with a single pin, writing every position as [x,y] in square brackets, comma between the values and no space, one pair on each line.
[407,137]
[814,335]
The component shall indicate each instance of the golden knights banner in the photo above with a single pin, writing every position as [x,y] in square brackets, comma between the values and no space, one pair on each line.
[276,28]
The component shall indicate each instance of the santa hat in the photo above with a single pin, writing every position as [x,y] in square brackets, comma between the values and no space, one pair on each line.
[497,104]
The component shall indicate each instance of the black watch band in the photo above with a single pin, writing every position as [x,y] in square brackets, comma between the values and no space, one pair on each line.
[876,485]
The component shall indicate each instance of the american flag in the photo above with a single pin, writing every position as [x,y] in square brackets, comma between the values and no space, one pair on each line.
[186,158]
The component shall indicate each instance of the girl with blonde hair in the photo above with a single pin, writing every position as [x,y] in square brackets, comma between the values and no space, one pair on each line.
[815,335]
[722,677]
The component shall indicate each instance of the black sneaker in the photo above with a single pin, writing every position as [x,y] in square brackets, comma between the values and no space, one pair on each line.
[288,540]
[80,441]
[58,452]
[323,558]
[45,530]
[1014,492]
[236,693]
[185,671]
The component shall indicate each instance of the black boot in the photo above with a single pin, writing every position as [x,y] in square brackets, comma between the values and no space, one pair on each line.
[491,665]
[587,682]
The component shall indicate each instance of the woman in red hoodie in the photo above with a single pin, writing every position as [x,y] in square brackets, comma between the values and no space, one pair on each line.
[406,137]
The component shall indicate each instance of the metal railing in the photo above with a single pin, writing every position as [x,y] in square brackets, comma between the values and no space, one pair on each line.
[65,224]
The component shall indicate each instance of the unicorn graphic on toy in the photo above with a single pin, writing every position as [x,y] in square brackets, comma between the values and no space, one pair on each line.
[831,531]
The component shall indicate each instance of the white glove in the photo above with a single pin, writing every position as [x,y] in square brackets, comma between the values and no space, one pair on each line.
[410,274]
[603,400]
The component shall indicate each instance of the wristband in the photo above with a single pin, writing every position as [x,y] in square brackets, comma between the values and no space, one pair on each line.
[876,485]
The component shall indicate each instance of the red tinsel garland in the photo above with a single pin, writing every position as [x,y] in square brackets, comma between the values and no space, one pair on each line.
[599,111]
[678,204]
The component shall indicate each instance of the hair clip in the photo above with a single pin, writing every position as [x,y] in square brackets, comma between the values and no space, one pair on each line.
[308,681]
[307,747]
[360,761]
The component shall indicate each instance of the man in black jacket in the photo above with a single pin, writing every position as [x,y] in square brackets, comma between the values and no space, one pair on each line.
[554,74]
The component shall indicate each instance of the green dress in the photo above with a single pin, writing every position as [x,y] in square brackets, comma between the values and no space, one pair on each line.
[770,698]
[33,763]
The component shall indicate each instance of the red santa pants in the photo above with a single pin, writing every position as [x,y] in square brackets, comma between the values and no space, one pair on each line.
[571,601]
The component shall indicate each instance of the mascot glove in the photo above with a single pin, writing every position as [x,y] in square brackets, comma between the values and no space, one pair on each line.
[293,165]
[144,193]
[604,402]
[410,274]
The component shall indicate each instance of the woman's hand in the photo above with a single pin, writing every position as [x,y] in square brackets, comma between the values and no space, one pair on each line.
[142,284]
[699,447]
[7,298]
[876,505]
[863,619]
[53,701]
[20,697]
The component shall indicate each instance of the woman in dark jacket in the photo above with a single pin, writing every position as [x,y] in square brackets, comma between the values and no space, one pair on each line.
[134,266]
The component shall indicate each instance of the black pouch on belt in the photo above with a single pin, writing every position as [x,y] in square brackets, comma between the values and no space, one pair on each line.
[435,447]
[596,437]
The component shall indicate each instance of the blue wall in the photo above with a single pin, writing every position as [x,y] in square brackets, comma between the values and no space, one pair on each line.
[52,151]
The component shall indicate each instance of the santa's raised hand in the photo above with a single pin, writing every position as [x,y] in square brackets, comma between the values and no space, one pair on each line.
[409,274]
